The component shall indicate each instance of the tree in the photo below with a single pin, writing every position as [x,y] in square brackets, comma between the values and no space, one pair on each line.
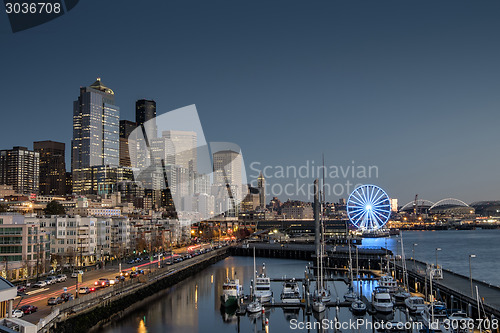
[54,208]
[3,208]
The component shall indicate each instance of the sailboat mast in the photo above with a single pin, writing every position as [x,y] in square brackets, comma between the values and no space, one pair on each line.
[254,275]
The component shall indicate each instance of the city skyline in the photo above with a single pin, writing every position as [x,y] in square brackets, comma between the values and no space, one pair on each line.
[426,90]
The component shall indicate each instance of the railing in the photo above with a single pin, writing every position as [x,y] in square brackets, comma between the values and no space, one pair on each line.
[46,320]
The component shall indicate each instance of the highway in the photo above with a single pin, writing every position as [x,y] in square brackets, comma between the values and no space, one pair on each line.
[39,296]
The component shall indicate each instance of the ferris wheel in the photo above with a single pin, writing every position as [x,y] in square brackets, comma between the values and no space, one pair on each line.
[368,208]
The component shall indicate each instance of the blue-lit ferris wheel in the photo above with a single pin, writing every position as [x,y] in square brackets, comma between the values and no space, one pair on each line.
[368,208]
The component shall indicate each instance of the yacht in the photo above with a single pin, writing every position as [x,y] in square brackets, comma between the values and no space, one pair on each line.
[381,300]
[231,292]
[263,290]
[318,306]
[401,296]
[434,316]
[461,323]
[386,281]
[415,304]
[291,292]
[350,296]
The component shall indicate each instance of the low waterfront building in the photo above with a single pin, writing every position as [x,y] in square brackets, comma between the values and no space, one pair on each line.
[297,210]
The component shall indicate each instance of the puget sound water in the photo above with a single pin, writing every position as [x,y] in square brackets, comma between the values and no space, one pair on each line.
[194,305]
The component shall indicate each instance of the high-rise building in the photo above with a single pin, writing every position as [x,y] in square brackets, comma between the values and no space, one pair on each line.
[261,185]
[145,112]
[126,128]
[95,136]
[52,167]
[20,168]
[227,168]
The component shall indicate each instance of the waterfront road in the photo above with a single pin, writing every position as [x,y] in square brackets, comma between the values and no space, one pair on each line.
[39,296]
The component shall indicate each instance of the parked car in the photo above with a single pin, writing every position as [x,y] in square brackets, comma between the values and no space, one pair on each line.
[61,277]
[133,274]
[49,282]
[54,301]
[17,313]
[39,284]
[53,279]
[27,309]
[75,273]
[101,283]
[83,290]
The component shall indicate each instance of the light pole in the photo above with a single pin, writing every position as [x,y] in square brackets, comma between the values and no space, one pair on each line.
[470,274]
[413,256]
[437,249]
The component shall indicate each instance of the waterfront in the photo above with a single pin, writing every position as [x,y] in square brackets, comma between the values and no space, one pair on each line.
[456,246]
[193,305]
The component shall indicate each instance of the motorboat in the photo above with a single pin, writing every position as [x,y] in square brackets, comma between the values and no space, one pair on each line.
[263,290]
[290,293]
[415,304]
[461,323]
[401,296]
[381,300]
[358,307]
[254,307]
[435,316]
[387,281]
[231,292]
[351,295]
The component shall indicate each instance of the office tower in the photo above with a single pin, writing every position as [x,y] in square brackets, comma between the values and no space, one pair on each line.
[52,167]
[20,168]
[227,168]
[261,185]
[180,149]
[145,111]
[95,136]
[69,183]
[126,128]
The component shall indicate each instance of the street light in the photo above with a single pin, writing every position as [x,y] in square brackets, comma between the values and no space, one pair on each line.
[470,274]
[437,249]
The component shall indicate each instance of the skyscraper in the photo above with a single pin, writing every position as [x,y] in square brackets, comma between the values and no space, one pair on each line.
[126,128]
[95,135]
[145,111]
[261,185]
[20,168]
[52,167]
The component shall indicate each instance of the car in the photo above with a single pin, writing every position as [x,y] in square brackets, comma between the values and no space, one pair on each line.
[66,297]
[53,279]
[49,282]
[21,290]
[39,284]
[133,274]
[54,301]
[131,261]
[27,309]
[17,313]
[75,273]
[83,290]
[102,283]
[119,278]
[92,289]
[61,277]
[140,271]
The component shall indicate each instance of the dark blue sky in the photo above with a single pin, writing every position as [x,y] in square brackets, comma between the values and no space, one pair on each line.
[412,87]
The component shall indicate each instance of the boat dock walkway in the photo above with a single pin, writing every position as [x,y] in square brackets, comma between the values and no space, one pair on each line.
[452,287]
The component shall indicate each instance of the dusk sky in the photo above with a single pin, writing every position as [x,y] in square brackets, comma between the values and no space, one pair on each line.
[411,87]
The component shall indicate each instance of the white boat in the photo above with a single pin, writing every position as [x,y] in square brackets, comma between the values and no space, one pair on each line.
[231,292]
[255,306]
[386,281]
[381,300]
[401,296]
[318,306]
[263,290]
[358,307]
[461,323]
[350,296]
[415,304]
[291,292]
[435,316]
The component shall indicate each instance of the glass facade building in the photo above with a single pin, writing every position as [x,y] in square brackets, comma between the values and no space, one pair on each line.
[95,135]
